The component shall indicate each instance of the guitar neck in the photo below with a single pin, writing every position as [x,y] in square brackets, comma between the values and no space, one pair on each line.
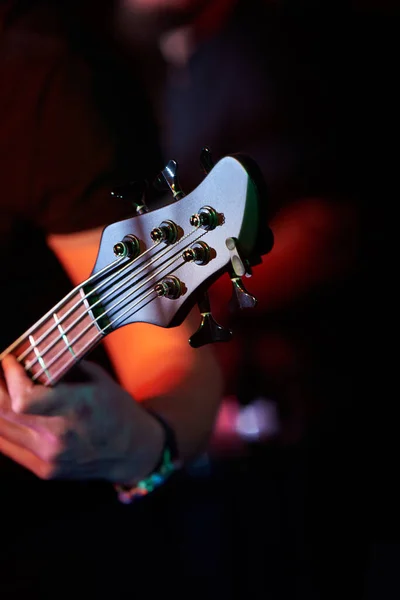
[59,339]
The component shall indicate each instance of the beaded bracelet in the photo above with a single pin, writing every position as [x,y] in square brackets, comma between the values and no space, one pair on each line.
[127,494]
[167,465]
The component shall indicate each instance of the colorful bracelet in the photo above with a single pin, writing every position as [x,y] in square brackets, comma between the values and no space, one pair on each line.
[167,465]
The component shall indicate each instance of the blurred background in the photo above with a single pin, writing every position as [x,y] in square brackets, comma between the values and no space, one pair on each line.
[292,498]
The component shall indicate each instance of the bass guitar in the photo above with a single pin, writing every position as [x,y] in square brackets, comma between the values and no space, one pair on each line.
[155,266]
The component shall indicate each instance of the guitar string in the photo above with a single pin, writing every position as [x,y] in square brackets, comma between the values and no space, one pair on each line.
[83,298]
[108,311]
[75,306]
[65,300]
[53,377]
[112,291]
[58,306]
[79,304]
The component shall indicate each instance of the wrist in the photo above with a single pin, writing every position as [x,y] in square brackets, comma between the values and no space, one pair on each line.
[145,451]
[158,465]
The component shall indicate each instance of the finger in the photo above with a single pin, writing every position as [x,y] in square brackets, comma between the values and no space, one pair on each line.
[40,402]
[39,435]
[15,432]
[5,400]
[3,385]
[17,380]
[27,397]
[26,459]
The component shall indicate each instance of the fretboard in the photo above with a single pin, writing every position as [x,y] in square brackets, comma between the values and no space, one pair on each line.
[55,343]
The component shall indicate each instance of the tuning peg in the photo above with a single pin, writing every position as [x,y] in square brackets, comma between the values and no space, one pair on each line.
[206,159]
[168,179]
[134,192]
[209,330]
[240,296]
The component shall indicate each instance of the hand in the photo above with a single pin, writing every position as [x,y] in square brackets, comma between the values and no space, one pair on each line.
[87,430]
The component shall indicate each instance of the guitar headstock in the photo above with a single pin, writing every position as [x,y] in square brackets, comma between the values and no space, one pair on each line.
[155,266]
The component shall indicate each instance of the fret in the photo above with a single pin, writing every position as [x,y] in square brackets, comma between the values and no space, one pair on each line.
[58,340]
[40,358]
[63,334]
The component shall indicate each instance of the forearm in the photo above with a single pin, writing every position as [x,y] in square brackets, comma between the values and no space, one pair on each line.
[191,408]
[165,375]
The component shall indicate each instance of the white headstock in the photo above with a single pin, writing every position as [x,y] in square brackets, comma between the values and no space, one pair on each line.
[153,267]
